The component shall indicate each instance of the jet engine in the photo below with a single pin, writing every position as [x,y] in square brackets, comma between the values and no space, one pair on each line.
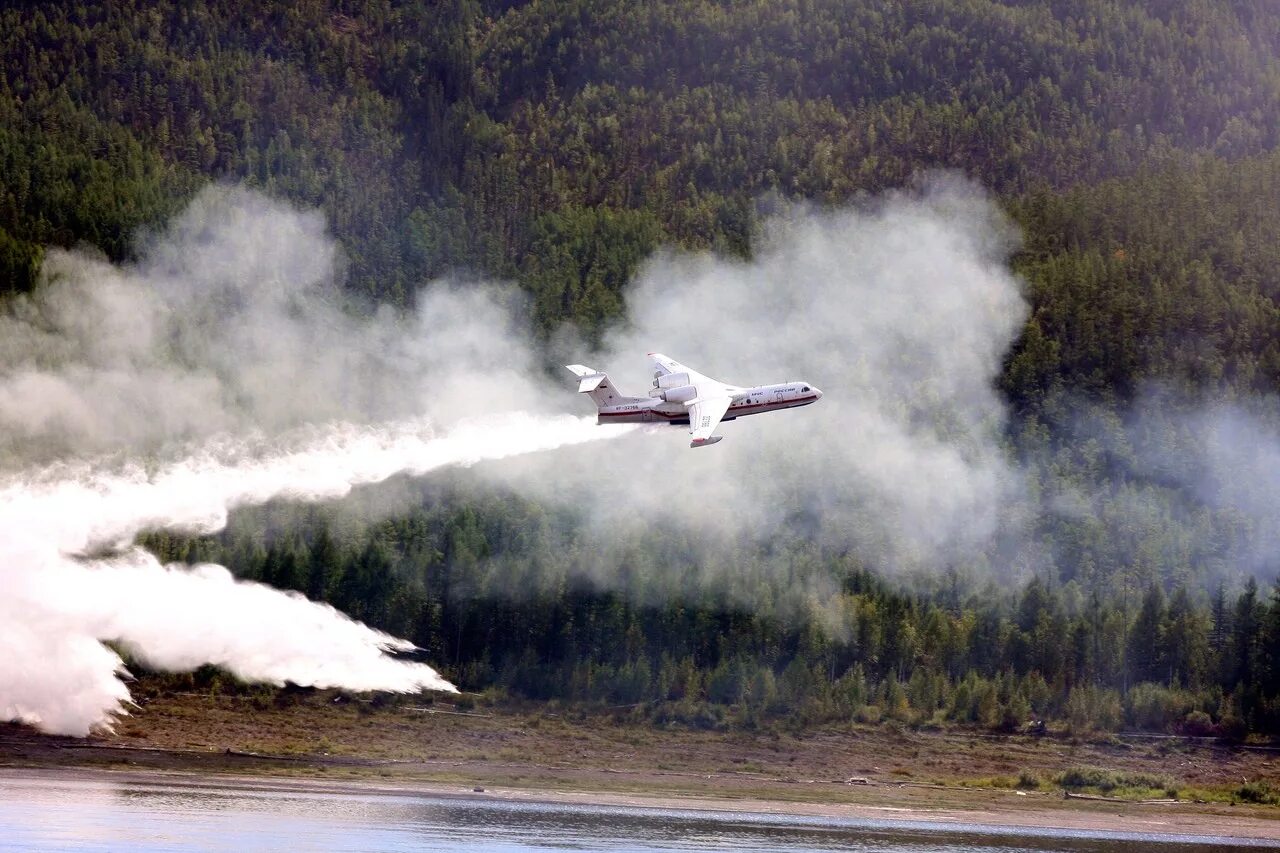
[673,387]
[683,394]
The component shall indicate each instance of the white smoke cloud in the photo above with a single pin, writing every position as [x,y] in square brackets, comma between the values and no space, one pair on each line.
[233,321]
[900,311]
[60,602]
[223,370]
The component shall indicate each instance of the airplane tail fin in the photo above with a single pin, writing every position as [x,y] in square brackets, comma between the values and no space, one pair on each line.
[598,385]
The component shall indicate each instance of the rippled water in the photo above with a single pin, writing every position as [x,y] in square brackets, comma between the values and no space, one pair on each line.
[61,811]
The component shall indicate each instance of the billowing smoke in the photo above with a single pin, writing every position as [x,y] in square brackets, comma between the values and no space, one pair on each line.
[1171,489]
[223,369]
[900,310]
[233,321]
[219,371]
[63,596]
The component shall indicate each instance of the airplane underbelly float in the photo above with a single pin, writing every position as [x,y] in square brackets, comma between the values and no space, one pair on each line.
[682,396]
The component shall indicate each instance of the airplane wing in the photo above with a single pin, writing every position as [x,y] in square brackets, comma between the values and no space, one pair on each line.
[704,416]
[708,407]
[665,365]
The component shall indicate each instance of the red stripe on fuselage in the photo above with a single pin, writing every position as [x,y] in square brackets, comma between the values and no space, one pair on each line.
[754,409]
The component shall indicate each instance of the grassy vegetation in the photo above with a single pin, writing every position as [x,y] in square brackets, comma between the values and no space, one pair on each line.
[1124,785]
[1258,792]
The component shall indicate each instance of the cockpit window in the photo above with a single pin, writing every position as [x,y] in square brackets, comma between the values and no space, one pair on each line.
[805,388]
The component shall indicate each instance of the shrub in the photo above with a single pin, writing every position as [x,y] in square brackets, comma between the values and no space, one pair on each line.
[1197,724]
[1014,713]
[1257,792]
[1155,707]
[1107,781]
[1087,777]
[1090,708]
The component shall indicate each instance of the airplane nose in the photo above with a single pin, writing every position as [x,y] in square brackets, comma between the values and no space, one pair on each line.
[817,392]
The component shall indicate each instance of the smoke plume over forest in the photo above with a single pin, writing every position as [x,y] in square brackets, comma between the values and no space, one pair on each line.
[218,372]
[901,310]
[223,369]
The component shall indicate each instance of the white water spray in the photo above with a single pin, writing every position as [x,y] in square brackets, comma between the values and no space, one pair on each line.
[60,603]
[228,335]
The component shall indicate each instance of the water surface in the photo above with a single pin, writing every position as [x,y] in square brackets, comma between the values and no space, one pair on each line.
[94,812]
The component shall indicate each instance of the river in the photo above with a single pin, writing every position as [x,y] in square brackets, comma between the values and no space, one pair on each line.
[66,810]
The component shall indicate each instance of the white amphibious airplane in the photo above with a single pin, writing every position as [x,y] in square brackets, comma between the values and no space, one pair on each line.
[683,396]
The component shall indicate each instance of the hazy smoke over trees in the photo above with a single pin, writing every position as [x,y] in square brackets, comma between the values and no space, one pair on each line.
[232,321]
[220,371]
[900,311]
[224,369]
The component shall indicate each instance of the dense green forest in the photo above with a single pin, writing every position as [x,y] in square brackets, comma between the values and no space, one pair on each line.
[489,588]
[557,144]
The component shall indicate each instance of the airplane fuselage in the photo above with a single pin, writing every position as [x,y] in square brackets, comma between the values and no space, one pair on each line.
[747,401]
[686,397]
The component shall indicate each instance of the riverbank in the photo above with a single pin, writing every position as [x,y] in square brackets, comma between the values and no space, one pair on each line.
[320,739]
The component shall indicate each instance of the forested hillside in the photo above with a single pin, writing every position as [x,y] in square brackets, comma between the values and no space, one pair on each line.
[490,136]
[558,144]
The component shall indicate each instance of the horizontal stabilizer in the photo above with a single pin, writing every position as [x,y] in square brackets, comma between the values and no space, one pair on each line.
[589,378]
[603,394]
[590,383]
[705,442]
